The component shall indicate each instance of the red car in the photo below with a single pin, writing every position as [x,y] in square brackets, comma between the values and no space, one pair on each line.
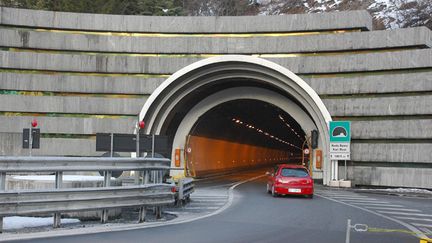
[288,179]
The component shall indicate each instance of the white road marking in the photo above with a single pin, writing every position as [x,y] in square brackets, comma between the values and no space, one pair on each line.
[207,202]
[375,204]
[199,208]
[200,196]
[415,230]
[362,200]
[354,198]
[415,219]
[427,231]
[116,228]
[400,209]
[423,225]
[408,214]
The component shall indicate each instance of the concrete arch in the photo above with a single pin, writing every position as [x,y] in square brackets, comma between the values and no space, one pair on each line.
[279,82]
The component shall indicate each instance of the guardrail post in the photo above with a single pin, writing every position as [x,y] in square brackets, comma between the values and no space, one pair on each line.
[58,185]
[180,192]
[106,183]
[157,179]
[2,188]
[142,209]
[142,214]
[146,178]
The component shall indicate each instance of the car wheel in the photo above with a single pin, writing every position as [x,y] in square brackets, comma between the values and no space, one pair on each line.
[309,196]
[268,189]
[273,192]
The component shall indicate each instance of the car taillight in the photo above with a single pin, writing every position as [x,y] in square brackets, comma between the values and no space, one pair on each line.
[173,189]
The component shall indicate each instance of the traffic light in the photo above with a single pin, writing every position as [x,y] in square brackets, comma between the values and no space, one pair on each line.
[314,139]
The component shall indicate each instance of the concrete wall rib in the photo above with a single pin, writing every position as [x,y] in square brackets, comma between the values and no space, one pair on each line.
[391,153]
[128,23]
[81,84]
[382,106]
[399,38]
[385,176]
[11,145]
[80,105]
[122,64]
[372,84]
[392,129]
[69,125]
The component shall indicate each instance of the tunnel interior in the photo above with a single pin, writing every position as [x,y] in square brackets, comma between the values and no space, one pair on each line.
[251,122]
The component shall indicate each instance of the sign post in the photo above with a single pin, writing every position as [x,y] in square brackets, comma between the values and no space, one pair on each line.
[340,143]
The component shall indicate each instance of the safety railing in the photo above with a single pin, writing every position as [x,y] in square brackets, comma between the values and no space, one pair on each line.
[184,188]
[58,199]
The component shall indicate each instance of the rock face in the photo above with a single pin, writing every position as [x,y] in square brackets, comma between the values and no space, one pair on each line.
[388,14]
[43,182]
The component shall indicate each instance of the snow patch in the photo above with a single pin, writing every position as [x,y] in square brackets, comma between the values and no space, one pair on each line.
[401,190]
[17,222]
[65,178]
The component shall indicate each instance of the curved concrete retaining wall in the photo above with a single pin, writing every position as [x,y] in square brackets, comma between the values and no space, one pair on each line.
[84,73]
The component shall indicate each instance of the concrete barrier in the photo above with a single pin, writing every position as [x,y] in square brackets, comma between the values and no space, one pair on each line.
[400,38]
[214,24]
[160,65]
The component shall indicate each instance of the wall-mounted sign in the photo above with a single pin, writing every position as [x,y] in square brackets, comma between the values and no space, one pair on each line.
[340,140]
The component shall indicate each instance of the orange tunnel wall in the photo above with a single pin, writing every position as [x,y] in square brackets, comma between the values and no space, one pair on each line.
[206,156]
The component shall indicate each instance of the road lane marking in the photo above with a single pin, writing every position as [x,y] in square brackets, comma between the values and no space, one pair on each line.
[124,227]
[423,225]
[364,201]
[207,202]
[355,198]
[199,208]
[408,214]
[415,219]
[415,230]
[376,204]
[427,231]
[400,209]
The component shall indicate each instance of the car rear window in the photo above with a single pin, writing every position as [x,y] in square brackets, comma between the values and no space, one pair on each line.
[288,172]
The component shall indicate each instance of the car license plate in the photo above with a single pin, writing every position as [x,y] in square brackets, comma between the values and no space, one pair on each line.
[294,190]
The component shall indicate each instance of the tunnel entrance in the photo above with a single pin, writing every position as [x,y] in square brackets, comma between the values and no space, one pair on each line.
[233,111]
[241,134]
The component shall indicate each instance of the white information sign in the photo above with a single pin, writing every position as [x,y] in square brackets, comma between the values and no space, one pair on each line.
[340,138]
[340,148]
[340,156]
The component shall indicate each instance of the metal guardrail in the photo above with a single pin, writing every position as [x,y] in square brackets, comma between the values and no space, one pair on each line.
[77,199]
[185,187]
[59,200]
[52,164]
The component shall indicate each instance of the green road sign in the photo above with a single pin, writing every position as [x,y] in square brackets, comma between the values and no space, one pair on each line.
[340,131]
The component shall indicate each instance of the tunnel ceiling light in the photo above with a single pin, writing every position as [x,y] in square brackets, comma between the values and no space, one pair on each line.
[238,121]
[292,129]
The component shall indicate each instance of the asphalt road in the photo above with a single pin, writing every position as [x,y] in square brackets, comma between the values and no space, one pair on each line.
[256,216]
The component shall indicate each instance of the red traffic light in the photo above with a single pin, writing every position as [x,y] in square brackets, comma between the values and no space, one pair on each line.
[34,123]
[141,124]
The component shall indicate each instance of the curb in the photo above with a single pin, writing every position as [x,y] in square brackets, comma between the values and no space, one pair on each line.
[377,191]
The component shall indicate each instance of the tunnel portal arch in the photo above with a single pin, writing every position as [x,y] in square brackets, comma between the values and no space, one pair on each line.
[177,104]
